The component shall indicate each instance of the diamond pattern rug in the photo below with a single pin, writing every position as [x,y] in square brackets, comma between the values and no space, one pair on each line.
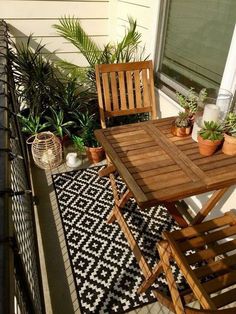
[106,273]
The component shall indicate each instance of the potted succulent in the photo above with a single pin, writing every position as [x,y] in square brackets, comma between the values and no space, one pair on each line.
[88,124]
[229,146]
[210,137]
[182,125]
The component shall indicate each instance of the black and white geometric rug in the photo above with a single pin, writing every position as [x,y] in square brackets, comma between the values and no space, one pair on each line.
[106,274]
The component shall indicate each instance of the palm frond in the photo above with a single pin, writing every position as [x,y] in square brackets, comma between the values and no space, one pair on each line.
[70,29]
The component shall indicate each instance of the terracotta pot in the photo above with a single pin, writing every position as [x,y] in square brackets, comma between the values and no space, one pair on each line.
[229,146]
[207,147]
[95,154]
[180,132]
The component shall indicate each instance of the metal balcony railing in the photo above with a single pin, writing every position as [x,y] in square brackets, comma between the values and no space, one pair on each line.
[20,279]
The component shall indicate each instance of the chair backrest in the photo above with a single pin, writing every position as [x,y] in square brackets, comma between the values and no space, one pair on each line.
[124,89]
[201,253]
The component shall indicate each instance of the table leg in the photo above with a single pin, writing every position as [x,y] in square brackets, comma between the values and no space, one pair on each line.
[173,210]
[208,206]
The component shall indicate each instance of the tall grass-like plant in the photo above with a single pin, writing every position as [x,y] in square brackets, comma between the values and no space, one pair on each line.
[124,51]
[36,78]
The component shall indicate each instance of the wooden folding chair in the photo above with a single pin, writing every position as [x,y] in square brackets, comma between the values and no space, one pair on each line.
[124,89]
[204,255]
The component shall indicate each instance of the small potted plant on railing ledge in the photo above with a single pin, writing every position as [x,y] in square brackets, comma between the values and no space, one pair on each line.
[182,125]
[229,146]
[210,137]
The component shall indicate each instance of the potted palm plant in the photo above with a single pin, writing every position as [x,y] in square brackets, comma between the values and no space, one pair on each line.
[126,50]
[88,124]
[229,146]
[210,137]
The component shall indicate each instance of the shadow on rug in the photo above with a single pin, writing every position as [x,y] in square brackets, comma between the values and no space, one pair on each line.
[106,273]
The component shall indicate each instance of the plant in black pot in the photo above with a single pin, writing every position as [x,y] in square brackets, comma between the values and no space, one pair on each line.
[88,123]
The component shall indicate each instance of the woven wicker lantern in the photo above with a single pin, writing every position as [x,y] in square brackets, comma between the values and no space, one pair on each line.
[46,150]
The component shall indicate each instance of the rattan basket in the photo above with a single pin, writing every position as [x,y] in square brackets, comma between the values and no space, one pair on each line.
[46,150]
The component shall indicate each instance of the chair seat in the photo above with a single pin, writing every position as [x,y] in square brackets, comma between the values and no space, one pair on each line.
[206,256]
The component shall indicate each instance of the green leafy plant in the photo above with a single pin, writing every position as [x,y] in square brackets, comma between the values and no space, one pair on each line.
[183,120]
[124,51]
[37,79]
[230,124]
[32,125]
[78,143]
[212,131]
[188,102]
[88,124]
[58,123]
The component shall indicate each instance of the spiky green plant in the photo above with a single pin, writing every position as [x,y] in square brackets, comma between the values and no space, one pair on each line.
[212,131]
[58,123]
[78,143]
[230,124]
[32,125]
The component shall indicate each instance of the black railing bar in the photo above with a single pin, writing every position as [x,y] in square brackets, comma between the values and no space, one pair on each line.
[12,193]
[6,228]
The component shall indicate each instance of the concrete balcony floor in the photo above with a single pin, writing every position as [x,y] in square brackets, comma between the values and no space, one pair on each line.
[58,282]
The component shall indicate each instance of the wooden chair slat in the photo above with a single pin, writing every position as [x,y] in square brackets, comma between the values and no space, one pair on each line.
[114,91]
[130,89]
[197,242]
[222,265]
[122,91]
[146,96]
[106,90]
[210,253]
[225,298]
[191,232]
[220,282]
[138,96]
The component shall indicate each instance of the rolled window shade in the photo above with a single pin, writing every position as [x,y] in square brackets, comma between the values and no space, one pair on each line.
[197,40]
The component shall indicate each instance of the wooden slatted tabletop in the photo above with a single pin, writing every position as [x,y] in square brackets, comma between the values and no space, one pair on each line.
[157,166]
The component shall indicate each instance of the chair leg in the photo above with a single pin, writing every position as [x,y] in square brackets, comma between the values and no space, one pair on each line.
[149,281]
[164,252]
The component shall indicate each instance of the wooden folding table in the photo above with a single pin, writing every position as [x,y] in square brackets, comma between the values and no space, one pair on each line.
[158,167]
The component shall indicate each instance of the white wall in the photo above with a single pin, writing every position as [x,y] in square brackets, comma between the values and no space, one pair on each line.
[37,17]
[146,13]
